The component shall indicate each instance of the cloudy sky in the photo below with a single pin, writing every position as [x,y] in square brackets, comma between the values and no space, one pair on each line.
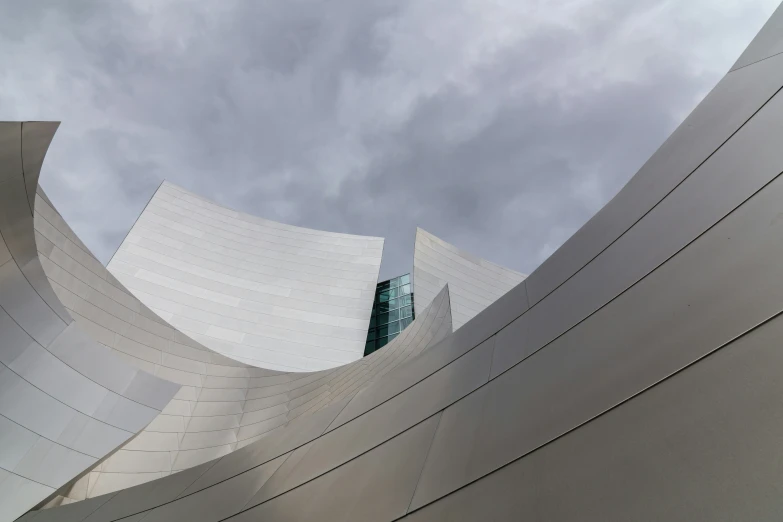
[499,125]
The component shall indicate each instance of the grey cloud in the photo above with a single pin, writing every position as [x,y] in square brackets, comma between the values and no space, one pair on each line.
[499,127]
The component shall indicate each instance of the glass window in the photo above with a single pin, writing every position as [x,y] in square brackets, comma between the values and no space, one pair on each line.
[392,312]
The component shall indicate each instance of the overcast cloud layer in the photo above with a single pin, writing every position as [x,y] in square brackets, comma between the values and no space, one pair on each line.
[498,125]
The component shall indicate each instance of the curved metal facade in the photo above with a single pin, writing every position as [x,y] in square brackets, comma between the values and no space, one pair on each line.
[223,404]
[65,401]
[474,283]
[271,295]
[636,375]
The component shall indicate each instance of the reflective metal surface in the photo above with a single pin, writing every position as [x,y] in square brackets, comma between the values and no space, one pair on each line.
[223,404]
[264,293]
[474,283]
[634,376]
[65,400]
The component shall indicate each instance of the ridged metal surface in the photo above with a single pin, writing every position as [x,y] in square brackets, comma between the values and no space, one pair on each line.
[65,400]
[636,375]
[264,293]
[474,283]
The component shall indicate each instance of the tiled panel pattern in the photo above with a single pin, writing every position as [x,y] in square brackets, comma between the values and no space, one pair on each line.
[641,380]
[223,404]
[65,400]
[474,283]
[264,293]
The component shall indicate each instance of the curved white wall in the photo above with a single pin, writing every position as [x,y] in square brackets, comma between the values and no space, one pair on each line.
[474,283]
[264,293]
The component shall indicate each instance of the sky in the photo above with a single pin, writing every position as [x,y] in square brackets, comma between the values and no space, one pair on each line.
[500,126]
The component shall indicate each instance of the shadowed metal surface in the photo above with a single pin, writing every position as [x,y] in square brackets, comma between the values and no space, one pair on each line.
[65,400]
[474,283]
[636,375]
[264,293]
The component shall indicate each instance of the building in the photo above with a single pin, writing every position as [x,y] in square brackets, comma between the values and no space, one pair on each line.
[635,375]
[474,283]
[392,312]
[264,293]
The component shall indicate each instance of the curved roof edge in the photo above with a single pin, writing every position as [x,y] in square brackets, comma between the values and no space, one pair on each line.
[223,404]
[264,293]
[65,400]
[475,283]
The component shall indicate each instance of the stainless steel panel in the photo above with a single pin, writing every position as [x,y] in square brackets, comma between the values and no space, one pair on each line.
[82,354]
[631,343]
[51,464]
[410,373]
[19,494]
[376,486]
[683,215]
[218,501]
[725,109]
[295,435]
[36,137]
[74,512]
[10,150]
[28,406]
[449,463]
[15,442]
[25,306]
[394,416]
[768,42]
[147,496]
[474,283]
[234,260]
[697,447]
[13,339]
